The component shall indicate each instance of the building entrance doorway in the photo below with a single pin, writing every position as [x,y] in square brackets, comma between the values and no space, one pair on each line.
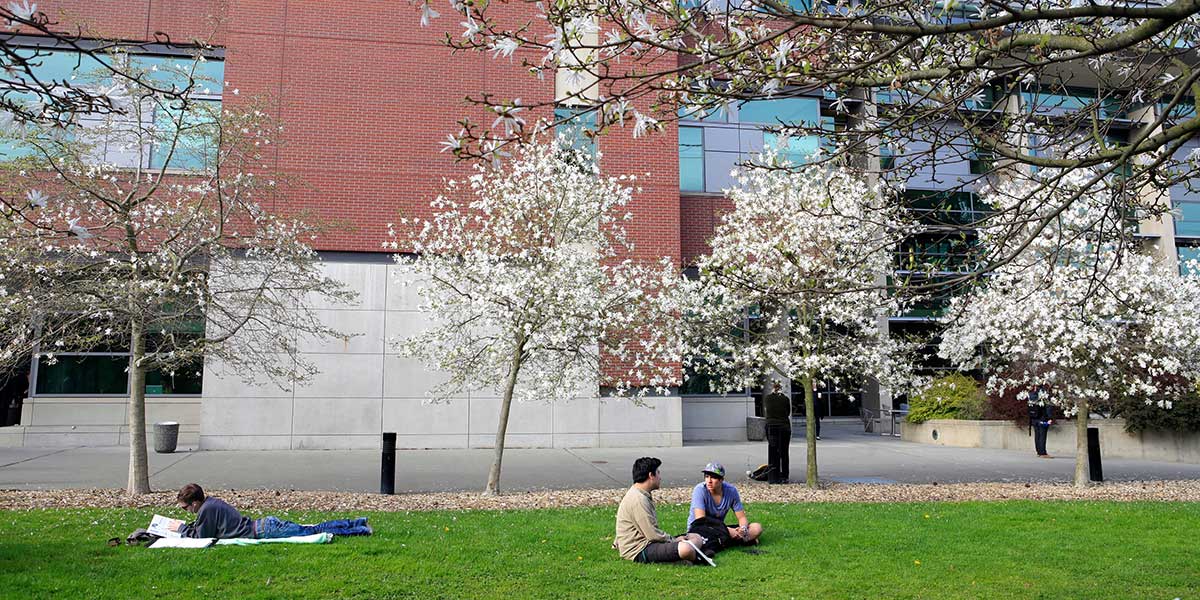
[14,387]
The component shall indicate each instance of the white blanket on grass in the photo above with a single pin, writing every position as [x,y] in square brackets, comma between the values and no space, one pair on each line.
[316,538]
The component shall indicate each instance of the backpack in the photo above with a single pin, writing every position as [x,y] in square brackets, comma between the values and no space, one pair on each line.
[759,474]
[715,534]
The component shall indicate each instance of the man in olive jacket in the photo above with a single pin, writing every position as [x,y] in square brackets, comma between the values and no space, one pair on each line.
[777,408]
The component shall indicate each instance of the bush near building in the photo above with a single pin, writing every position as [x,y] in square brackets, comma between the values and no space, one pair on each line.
[953,396]
[1174,412]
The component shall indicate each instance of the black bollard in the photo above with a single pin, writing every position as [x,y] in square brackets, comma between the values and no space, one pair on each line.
[1096,472]
[387,466]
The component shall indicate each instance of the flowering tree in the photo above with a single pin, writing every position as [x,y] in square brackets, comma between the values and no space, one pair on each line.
[1083,312]
[527,274]
[911,85]
[803,251]
[146,228]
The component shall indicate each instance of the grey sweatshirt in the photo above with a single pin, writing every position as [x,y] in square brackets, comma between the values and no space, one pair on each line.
[217,519]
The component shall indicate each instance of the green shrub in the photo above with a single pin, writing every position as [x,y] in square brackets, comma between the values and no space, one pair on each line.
[953,396]
[1153,415]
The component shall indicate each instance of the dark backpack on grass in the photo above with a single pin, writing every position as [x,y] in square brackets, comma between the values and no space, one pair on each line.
[759,474]
[714,532]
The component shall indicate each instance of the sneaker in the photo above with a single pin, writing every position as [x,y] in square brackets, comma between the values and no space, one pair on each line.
[818,437]
[700,555]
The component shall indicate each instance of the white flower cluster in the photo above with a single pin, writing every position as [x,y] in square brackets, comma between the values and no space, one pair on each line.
[1079,310]
[529,281]
[793,285]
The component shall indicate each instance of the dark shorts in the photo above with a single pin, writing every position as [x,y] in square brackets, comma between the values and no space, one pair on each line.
[658,552]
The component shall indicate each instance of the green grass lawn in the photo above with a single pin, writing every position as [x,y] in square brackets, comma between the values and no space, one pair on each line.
[1018,549]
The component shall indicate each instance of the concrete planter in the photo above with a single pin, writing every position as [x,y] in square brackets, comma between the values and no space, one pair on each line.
[1115,442]
[756,429]
[166,437]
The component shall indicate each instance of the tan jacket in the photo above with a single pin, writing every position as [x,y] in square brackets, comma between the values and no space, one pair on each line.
[637,524]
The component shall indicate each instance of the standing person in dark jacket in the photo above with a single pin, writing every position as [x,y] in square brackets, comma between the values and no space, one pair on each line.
[777,408]
[217,519]
[1041,417]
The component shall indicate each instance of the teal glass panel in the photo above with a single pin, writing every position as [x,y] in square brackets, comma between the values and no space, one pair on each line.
[176,71]
[84,375]
[1187,254]
[1185,109]
[711,115]
[574,125]
[796,150]
[190,141]
[691,159]
[800,112]
[1188,222]
[1073,100]
[795,6]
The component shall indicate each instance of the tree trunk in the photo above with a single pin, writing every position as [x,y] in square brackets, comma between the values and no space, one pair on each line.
[139,471]
[1082,473]
[493,483]
[810,432]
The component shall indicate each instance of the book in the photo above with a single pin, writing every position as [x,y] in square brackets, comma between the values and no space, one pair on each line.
[182,542]
[164,527]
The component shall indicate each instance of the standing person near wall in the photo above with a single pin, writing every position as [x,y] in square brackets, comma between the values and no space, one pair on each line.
[1041,417]
[777,408]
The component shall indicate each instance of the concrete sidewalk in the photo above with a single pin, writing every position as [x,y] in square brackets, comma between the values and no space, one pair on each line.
[844,454]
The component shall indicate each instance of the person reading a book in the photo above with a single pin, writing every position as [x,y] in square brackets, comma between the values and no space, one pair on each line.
[217,519]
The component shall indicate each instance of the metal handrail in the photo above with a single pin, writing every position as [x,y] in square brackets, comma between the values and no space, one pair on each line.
[891,416]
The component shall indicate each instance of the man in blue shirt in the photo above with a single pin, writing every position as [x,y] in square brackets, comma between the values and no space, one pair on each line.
[715,498]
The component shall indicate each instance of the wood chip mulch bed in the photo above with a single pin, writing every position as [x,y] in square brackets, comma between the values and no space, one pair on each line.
[280,500]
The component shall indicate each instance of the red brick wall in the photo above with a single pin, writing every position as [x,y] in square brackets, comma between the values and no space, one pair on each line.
[699,217]
[365,95]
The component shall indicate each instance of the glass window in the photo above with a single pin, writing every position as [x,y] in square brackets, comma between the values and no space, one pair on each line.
[691,159]
[794,150]
[124,144]
[1187,224]
[577,126]
[89,374]
[938,252]
[799,112]
[1066,100]
[1188,251]
[982,161]
[184,379]
[944,208]
[711,115]
[887,158]
[796,6]
[1185,109]
[189,140]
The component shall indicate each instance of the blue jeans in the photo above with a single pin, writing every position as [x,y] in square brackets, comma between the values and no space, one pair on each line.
[273,527]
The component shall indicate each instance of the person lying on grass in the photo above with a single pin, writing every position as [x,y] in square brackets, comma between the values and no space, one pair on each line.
[714,498]
[217,519]
[638,537]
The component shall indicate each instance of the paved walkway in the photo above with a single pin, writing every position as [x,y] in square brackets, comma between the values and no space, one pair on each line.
[845,454]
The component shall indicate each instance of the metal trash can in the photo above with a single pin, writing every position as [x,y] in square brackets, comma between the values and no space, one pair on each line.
[756,429]
[166,437]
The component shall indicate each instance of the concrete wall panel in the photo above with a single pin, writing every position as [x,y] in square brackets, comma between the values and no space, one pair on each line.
[330,416]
